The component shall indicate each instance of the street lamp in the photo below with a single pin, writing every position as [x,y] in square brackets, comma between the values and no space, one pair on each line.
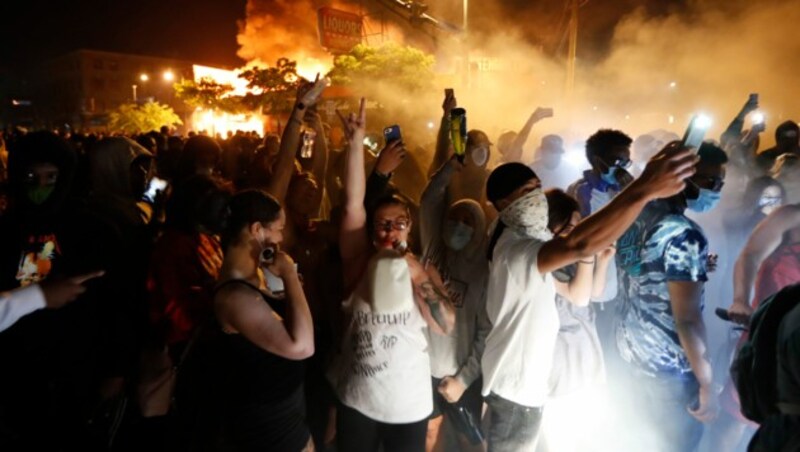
[169,76]
[144,77]
[133,87]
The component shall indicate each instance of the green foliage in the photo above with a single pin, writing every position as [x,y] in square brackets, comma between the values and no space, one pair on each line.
[405,68]
[205,93]
[132,118]
[273,88]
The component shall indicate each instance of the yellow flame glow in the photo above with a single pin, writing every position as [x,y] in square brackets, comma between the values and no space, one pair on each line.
[213,122]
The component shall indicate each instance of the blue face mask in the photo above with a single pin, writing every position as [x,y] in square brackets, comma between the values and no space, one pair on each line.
[610,176]
[706,200]
[457,235]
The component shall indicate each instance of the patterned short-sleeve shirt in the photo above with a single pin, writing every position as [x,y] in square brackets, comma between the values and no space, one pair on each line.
[661,246]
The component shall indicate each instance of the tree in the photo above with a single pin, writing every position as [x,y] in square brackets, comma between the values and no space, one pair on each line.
[402,68]
[207,93]
[132,118]
[272,89]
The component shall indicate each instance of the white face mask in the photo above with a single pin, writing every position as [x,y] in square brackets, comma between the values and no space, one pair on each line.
[528,215]
[480,155]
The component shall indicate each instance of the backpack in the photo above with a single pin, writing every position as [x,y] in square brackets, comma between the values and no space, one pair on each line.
[754,370]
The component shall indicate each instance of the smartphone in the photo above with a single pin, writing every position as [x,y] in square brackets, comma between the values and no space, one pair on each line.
[696,131]
[155,186]
[392,133]
[753,98]
[449,92]
[309,137]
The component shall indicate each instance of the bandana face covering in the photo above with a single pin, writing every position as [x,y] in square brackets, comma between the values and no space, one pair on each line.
[528,216]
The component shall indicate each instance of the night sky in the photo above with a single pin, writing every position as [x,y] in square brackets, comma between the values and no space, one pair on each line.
[196,30]
[205,30]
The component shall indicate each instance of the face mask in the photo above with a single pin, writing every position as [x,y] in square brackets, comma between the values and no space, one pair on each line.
[610,176]
[707,200]
[528,215]
[38,195]
[457,235]
[480,155]
[769,203]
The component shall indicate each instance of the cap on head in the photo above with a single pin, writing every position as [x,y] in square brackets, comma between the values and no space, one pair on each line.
[505,179]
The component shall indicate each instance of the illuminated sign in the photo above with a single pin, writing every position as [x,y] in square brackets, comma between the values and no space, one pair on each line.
[339,31]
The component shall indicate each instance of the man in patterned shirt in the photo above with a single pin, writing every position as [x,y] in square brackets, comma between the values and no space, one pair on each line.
[660,332]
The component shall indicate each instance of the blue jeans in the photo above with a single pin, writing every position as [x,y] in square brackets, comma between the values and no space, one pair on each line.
[514,427]
[659,405]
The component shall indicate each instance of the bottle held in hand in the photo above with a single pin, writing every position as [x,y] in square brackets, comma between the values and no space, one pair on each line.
[458,131]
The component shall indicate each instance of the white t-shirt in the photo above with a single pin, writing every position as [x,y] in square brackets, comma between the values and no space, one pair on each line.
[521,306]
[383,369]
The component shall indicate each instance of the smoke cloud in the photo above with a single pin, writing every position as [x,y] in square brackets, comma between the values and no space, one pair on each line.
[641,68]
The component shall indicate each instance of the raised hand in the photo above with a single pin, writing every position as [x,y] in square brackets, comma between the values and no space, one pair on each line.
[449,102]
[542,113]
[355,125]
[390,157]
[282,265]
[666,172]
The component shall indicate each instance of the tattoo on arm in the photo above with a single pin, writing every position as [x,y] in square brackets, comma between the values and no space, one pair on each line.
[434,297]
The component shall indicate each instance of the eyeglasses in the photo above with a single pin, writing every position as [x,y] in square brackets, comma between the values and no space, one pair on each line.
[388,225]
[708,182]
[623,163]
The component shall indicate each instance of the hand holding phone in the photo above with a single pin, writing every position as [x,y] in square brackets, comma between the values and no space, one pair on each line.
[392,133]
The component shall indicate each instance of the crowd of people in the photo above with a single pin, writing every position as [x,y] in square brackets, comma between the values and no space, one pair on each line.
[235,293]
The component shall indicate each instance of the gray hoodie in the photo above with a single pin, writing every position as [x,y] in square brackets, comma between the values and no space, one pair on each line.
[466,274]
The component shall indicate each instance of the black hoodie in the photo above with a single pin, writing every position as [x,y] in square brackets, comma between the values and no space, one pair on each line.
[54,361]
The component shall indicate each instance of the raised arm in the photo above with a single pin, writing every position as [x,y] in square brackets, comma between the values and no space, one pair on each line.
[319,159]
[516,150]
[433,205]
[443,137]
[733,133]
[764,240]
[663,177]
[283,169]
[353,237]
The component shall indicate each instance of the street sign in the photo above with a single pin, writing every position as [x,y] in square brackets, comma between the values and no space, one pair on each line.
[339,31]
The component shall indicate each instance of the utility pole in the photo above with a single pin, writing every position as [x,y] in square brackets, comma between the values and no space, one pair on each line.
[465,42]
[573,49]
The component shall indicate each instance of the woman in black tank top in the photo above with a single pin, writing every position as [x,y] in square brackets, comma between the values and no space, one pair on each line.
[264,339]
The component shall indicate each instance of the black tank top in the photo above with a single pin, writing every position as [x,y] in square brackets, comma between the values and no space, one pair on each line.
[254,375]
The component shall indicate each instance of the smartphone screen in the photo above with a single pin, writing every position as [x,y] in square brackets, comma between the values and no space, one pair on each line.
[392,133]
[155,185]
[696,131]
